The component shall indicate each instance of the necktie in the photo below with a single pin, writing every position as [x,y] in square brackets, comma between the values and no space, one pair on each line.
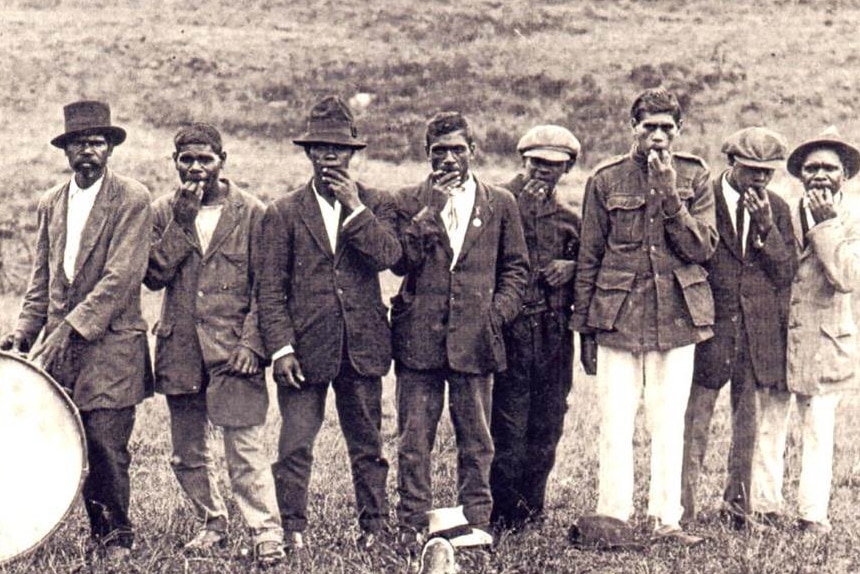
[451,218]
[739,219]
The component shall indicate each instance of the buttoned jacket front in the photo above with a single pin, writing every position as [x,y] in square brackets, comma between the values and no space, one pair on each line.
[640,284]
[453,318]
[322,302]
[751,291]
[107,363]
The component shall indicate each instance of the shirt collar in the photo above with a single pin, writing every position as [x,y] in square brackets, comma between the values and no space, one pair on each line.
[728,190]
[74,189]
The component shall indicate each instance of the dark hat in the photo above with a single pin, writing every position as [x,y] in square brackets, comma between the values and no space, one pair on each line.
[828,139]
[88,118]
[549,142]
[330,121]
[756,147]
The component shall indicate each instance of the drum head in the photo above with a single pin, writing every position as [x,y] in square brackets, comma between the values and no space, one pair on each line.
[42,456]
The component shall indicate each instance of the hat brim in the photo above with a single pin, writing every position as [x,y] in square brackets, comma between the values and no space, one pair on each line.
[759,163]
[329,138]
[115,135]
[548,154]
[849,155]
[476,537]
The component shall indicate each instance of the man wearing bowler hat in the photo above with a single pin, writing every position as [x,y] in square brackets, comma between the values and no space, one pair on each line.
[750,276]
[323,320]
[530,396]
[822,333]
[84,293]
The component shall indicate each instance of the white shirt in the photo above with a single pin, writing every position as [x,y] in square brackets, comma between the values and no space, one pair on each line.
[206,222]
[81,203]
[732,198]
[331,220]
[457,213]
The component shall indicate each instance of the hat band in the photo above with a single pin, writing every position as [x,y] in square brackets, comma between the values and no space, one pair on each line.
[454,532]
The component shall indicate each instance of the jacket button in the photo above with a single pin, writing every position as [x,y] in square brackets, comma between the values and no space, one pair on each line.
[200,293]
[339,291]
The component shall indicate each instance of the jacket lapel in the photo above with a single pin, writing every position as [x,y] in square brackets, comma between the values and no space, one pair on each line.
[95,222]
[482,215]
[798,230]
[231,214]
[727,231]
[424,199]
[309,211]
[58,231]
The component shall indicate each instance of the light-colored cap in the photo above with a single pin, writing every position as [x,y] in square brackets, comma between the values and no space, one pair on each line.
[549,142]
[756,147]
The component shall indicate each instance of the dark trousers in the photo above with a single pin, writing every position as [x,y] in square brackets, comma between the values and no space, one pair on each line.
[697,425]
[529,405]
[106,488]
[420,399]
[359,407]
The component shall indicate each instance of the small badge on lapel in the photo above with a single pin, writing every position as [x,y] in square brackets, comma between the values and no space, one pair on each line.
[477,222]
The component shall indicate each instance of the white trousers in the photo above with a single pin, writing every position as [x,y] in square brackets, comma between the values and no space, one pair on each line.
[666,377]
[818,418]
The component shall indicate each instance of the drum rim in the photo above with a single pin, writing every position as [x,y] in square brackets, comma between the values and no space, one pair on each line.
[73,410]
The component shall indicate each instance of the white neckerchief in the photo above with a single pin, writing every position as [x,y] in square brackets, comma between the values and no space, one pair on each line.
[81,203]
[733,196]
[456,214]
[206,222]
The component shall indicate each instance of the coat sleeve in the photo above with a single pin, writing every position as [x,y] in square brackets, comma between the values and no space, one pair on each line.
[372,233]
[274,287]
[34,312]
[124,268]
[692,231]
[778,251]
[251,335]
[171,245]
[837,244]
[512,267]
[592,246]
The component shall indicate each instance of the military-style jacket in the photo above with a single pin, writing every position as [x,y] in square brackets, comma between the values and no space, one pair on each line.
[640,284]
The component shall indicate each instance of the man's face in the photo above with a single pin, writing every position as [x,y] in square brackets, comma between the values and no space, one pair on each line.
[329,155]
[198,162]
[548,172]
[88,154]
[746,177]
[822,169]
[655,132]
[451,152]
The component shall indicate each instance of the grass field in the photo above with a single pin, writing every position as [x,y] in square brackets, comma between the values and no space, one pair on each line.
[253,68]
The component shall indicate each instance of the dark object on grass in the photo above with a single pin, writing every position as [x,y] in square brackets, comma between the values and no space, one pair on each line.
[603,533]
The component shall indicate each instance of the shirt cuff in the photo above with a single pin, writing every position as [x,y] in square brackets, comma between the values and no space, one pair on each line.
[352,215]
[283,352]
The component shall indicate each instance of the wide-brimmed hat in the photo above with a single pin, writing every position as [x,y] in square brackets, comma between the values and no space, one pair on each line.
[86,118]
[828,139]
[451,524]
[549,142]
[756,147]
[330,121]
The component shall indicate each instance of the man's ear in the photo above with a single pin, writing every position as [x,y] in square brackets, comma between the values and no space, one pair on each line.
[223,156]
[680,123]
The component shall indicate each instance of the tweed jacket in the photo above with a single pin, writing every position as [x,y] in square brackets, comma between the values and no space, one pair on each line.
[640,284]
[751,292]
[822,325]
[209,307]
[453,318]
[107,363]
[320,302]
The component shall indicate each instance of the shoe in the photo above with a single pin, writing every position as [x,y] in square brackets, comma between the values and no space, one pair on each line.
[269,552]
[670,533]
[437,557]
[814,527]
[410,541]
[293,541]
[206,540]
[763,520]
[733,518]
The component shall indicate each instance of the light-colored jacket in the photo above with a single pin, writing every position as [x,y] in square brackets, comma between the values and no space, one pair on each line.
[822,327]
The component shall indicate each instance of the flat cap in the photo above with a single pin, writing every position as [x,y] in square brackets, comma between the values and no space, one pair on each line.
[828,139]
[549,142]
[756,147]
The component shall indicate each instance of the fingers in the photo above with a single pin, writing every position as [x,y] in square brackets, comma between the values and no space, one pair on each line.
[446,179]
[535,188]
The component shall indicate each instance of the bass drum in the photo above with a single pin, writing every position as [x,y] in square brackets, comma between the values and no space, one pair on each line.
[43,456]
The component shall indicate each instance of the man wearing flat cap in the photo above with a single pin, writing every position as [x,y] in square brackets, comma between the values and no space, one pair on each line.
[84,296]
[822,333]
[750,276]
[323,320]
[530,396]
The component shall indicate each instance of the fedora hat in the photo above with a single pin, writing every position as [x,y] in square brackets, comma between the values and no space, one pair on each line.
[828,139]
[330,121]
[88,118]
[756,147]
[451,524]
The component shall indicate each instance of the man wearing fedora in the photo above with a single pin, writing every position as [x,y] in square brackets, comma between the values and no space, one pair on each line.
[209,356]
[465,268]
[822,333]
[84,293]
[323,320]
[750,276]
[530,396]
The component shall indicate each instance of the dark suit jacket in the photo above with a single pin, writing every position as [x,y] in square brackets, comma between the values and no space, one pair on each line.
[752,290]
[107,363]
[454,318]
[311,298]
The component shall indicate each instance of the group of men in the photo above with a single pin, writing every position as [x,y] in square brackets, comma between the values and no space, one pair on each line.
[494,279]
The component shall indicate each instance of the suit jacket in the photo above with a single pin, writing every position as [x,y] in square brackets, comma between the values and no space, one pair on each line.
[751,292]
[107,362]
[454,318]
[209,307]
[822,327]
[324,303]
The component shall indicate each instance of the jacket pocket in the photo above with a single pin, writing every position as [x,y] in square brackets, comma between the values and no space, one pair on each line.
[613,288]
[627,214]
[837,352]
[693,280]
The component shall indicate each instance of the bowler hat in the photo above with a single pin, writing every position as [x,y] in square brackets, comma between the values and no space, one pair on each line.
[549,142]
[330,121]
[451,524]
[88,118]
[828,139]
[756,147]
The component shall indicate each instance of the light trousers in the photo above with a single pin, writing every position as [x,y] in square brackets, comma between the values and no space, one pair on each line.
[818,418]
[666,377]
